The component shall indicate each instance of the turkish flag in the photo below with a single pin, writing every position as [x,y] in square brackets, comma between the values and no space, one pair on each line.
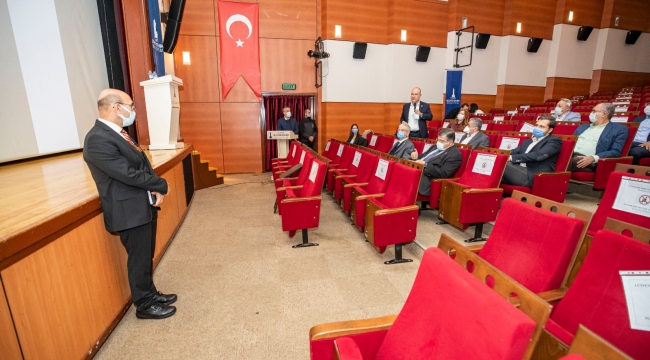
[239,40]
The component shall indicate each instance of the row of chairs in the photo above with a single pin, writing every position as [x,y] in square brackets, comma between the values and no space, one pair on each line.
[536,255]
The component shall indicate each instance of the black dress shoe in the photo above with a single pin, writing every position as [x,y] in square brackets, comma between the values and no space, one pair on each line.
[156,311]
[163,299]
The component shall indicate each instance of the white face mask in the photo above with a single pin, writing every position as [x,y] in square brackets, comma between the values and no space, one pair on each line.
[127,121]
[461,117]
[288,114]
[440,145]
[647,110]
[309,116]
[466,130]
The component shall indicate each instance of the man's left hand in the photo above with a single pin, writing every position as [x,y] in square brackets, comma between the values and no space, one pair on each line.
[646,145]
[159,198]
[417,112]
[585,161]
[311,138]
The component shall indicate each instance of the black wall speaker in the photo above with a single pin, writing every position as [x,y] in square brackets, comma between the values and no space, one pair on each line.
[533,44]
[422,53]
[482,40]
[632,36]
[174,18]
[359,51]
[584,32]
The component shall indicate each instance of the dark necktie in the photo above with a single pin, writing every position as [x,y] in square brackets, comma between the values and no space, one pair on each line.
[392,151]
[431,155]
[128,138]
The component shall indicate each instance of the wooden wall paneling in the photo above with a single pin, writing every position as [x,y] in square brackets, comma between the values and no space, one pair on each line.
[168,216]
[484,102]
[201,126]
[242,137]
[361,20]
[557,87]
[136,30]
[536,17]
[201,76]
[286,61]
[609,80]
[485,15]
[420,20]
[198,18]
[181,200]
[340,116]
[585,12]
[510,96]
[64,295]
[633,14]
[393,114]
[9,346]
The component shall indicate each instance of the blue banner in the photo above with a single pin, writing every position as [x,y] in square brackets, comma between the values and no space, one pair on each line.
[452,94]
[156,37]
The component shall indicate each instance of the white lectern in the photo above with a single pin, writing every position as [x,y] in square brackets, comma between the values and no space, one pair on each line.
[282,138]
[163,108]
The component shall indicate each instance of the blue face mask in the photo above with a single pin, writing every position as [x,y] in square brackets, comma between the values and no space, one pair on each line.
[355,131]
[538,133]
[127,121]
[558,111]
[400,135]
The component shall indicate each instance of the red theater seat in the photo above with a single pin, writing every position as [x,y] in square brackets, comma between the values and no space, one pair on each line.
[341,168]
[432,325]
[282,184]
[587,345]
[566,127]
[511,136]
[385,143]
[436,184]
[360,171]
[504,126]
[375,187]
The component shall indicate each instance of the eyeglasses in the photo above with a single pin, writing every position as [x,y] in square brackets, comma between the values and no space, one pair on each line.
[131,105]
[595,111]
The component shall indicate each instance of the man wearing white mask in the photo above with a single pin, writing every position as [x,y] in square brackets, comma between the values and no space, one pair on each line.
[130,194]
[562,111]
[641,144]
[287,123]
[440,161]
[600,139]
[416,114]
[473,135]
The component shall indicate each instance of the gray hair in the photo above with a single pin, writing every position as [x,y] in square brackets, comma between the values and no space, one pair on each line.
[447,134]
[609,109]
[404,127]
[108,101]
[567,101]
[476,122]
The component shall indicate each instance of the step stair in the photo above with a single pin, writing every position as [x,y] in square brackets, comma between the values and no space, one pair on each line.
[205,176]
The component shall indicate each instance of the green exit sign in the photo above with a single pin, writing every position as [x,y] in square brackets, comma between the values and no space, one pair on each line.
[288,86]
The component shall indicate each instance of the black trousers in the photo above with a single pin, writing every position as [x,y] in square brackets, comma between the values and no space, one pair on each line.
[417,134]
[638,153]
[140,243]
[309,143]
[515,174]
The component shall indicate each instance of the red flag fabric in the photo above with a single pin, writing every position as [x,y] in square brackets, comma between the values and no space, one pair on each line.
[239,40]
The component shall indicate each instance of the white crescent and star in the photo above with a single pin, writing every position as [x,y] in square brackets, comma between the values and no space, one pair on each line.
[239,18]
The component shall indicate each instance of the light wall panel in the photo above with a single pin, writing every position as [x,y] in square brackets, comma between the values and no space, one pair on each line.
[201,126]
[201,76]
[242,137]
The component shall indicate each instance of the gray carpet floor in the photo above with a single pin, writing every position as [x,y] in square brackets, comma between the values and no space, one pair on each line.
[245,293]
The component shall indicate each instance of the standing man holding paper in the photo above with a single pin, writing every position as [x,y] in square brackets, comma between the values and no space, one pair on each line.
[416,114]
[130,194]
[534,155]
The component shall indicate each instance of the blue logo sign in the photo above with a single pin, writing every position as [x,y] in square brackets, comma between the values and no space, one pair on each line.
[453,90]
[156,37]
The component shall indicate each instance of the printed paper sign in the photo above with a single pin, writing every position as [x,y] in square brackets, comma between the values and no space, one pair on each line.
[459,135]
[327,147]
[314,171]
[382,169]
[508,143]
[484,127]
[619,119]
[525,107]
[636,285]
[302,157]
[427,146]
[512,112]
[620,109]
[526,127]
[294,151]
[373,141]
[633,196]
[357,158]
[499,118]
[445,124]
[484,164]
[340,151]
[627,102]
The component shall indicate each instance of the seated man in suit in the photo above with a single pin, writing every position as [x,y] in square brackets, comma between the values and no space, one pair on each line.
[600,139]
[562,111]
[641,143]
[474,136]
[440,161]
[534,155]
[403,147]
[416,114]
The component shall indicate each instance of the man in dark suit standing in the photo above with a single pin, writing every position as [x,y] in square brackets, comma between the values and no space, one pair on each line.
[473,135]
[416,114]
[124,179]
[534,155]
[307,129]
[641,143]
[440,161]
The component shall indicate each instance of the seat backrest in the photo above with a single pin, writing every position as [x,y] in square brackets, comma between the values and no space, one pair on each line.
[380,176]
[315,177]
[297,154]
[566,127]
[533,246]
[337,149]
[357,158]
[306,163]
[478,175]
[373,141]
[606,208]
[465,151]
[419,146]
[596,299]
[505,126]
[385,143]
[431,325]
[510,141]
[402,187]
[330,148]
[367,166]
[566,152]
[631,133]
[493,135]
[347,157]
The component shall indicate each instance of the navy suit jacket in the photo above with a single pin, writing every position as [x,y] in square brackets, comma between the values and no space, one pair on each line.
[541,158]
[611,141]
[640,119]
[422,122]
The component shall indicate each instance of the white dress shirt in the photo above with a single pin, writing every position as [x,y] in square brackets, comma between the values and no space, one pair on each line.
[113,126]
[531,146]
[414,119]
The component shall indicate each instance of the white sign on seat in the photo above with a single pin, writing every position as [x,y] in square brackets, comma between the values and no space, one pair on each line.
[484,164]
[357,158]
[313,172]
[633,196]
[340,151]
[382,169]
[499,118]
[327,147]
[484,127]
[459,135]
[373,141]
[636,285]
[445,124]
[426,147]
[619,118]
[508,143]
[302,157]
[526,127]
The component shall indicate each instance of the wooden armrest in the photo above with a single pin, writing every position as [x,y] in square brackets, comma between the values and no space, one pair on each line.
[363,197]
[359,184]
[476,248]
[292,200]
[350,327]
[483,191]
[291,178]
[397,210]
[345,176]
[337,169]
[553,173]
[615,159]
[553,295]
[283,188]
[441,180]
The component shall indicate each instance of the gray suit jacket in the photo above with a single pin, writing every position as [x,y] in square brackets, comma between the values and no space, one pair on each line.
[570,116]
[404,150]
[477,140]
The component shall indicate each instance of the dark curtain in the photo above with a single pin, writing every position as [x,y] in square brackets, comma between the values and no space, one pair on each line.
[273,106]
